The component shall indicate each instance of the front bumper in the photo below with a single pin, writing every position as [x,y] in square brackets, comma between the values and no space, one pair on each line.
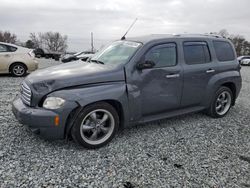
[42,121]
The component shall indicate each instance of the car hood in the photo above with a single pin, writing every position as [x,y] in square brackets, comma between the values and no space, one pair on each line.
[72,74]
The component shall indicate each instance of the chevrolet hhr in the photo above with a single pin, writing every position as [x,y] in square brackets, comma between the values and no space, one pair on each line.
[135,80]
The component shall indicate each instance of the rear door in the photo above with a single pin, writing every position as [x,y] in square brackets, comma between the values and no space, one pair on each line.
[5,58]
[198,69]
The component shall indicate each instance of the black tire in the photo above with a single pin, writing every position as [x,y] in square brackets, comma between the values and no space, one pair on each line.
[211,111]
[18,70]
[85,116]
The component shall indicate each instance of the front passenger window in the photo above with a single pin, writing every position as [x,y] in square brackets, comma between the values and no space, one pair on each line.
[162,55]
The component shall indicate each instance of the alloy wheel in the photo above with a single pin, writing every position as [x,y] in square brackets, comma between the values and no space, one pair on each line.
[223,103]
[18,70]
[97,126]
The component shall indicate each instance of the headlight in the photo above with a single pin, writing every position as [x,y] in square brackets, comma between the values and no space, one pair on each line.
[53,102]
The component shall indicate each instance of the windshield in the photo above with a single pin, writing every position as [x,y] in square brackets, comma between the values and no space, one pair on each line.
[118,52]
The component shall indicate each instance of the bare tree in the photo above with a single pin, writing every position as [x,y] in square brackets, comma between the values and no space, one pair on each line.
[241,44]
[247,48]
[36,39]
[51,41]
[224,33]
[8,37]
[55,41]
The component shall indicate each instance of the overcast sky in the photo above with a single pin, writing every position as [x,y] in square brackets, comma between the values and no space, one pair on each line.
[109,19]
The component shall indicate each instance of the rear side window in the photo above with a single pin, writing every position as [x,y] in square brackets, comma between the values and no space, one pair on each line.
[3,48]
[6,48]
[224,51]
[196,53]
[163,55]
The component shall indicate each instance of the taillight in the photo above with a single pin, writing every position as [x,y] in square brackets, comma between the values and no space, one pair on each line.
[31,54]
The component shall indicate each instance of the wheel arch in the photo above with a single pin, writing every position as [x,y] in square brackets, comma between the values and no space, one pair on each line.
[75,112]
[17,62]
[119,108]
[230,79]
[232,87]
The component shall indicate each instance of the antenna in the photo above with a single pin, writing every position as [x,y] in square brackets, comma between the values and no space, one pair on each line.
[123,38]
[92,42]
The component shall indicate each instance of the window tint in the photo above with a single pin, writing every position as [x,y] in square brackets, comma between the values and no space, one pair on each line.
[3,48]
[224,51]
[163,55]
[196,53]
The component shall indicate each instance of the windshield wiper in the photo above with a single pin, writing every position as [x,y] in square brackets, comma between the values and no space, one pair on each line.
[97,61]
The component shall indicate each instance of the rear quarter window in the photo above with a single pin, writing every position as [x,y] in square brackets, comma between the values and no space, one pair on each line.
[12,48]
[224,51]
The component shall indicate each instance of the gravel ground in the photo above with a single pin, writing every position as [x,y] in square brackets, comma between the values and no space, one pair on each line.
[189,151]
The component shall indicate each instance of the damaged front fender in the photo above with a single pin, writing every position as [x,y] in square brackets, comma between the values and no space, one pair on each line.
[111,91]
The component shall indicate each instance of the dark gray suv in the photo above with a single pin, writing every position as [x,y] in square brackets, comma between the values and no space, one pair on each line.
[130,81]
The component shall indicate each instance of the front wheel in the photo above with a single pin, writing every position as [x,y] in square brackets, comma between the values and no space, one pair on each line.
[96,125]
[221,103]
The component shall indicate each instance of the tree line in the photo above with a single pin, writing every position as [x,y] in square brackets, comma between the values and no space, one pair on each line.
[8,37]
[51,41]
[54,41]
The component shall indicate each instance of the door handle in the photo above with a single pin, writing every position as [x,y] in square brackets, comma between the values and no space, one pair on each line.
[7,55]
[172,75]
[210,71]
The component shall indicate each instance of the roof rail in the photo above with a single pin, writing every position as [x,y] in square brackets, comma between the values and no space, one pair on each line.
[208,35]
[214,35]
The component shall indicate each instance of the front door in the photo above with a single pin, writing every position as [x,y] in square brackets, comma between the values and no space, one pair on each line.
[161,86]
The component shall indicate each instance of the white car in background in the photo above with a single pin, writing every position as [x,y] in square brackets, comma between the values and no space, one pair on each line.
[85,57]
[245,62]
[241,58]
[16,60]
[80,55]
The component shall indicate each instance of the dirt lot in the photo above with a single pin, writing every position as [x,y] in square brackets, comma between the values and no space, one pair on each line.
[188,151]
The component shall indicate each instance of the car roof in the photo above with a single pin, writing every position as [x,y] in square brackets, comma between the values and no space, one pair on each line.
[244,56]
[246,60]
[154,37]
[9,44]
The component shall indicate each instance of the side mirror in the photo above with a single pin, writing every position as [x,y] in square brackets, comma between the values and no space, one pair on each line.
[145,65]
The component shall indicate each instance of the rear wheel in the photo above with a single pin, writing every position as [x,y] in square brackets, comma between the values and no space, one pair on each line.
[221,103]
[96,125]
[18,69]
